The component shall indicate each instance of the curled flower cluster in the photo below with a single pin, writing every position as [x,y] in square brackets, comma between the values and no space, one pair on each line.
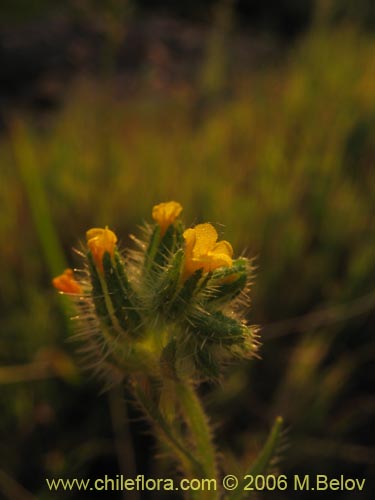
[173,308]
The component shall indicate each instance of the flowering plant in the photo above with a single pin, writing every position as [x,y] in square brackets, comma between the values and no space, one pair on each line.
[165,317]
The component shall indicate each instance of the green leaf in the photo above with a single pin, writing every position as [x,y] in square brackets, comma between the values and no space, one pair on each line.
[264,460]
[269,451]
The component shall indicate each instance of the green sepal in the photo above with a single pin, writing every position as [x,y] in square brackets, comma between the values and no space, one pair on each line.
[227,283]
[166,247]
[114,288]
[120,294]
[125,284]
[217,328]
[152,248]
[239,266]
[225,292]
[169,281]
[160,248]
[186,293]
[179,234]
[98,292]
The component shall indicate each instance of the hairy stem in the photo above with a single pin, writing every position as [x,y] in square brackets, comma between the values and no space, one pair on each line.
[191,467]
[193,448]
[200,431]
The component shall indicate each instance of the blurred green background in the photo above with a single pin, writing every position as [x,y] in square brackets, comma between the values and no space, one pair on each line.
[259,119]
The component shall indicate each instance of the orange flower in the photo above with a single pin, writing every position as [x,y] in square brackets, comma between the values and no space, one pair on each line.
[99,242]
[166,213]
[202,250]
[66,282]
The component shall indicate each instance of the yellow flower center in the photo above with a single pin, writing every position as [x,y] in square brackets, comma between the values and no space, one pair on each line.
[202,251]
[99,241]
[65,282]
[166,213]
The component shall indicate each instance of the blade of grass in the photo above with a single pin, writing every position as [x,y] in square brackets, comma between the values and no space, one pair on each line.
[25,159]
[13,490]
[264,459]
[27,165]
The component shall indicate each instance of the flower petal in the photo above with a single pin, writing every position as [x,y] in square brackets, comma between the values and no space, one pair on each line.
[202,251]
[206,237]
[223,247]
[94,233]
[190,238]
[219,260]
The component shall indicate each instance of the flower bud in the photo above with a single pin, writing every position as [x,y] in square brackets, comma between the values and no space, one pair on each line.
[166,213]
[66,283]
[99,242]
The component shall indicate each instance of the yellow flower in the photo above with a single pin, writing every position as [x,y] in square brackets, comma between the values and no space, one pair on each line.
[166,213]
[100,241]
[66,282]
[202,251]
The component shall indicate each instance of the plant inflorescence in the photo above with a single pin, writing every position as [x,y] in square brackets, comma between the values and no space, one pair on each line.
[165,316]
